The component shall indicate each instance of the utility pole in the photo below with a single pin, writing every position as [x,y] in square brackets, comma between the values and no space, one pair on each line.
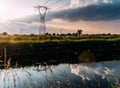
[42,13]
[21,31]
[60,31]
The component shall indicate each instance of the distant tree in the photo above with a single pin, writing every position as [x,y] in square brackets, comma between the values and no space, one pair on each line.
[47,34]
[109,33]
[31,34]
[69,34]
[74,34]
[16,34]
[58,34]
[54,34]
[79,32]
[4,33]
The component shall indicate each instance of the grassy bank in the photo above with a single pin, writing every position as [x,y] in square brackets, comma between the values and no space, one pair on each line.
[28,50]
[60,51]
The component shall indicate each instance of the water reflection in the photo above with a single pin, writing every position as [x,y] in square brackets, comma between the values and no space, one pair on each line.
[95,75]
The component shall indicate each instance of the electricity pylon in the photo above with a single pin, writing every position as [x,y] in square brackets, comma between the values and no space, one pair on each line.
[42,13]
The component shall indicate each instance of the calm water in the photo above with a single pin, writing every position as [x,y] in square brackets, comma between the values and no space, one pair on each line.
[94,75]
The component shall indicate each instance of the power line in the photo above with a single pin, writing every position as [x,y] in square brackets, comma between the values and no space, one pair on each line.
[61,6]
[46,2]
[54,3]
[40,1]
[42,13]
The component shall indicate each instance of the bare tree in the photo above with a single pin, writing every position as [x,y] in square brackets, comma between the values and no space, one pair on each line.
[79,32]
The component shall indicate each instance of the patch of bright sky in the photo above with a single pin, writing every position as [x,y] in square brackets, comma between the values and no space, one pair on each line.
[11,9]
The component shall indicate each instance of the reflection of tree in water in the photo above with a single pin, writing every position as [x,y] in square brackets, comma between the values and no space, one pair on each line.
[86,56]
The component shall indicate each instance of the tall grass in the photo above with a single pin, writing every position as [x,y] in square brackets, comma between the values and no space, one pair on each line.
[61,76]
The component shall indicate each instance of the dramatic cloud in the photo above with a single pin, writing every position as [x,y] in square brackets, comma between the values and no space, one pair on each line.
[89,10]
[89,13]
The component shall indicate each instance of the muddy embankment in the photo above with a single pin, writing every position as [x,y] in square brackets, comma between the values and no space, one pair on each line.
[59,52]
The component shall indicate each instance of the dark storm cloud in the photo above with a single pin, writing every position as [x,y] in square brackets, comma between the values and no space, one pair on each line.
[89,13]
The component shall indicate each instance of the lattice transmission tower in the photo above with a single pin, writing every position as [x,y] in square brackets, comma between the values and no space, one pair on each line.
[42,13]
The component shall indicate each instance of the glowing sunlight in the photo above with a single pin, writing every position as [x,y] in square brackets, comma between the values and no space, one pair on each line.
[2,11]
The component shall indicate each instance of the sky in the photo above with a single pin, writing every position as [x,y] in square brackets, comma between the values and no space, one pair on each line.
[63,16]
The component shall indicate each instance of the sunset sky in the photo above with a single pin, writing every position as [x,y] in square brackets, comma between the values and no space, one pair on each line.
[64,16]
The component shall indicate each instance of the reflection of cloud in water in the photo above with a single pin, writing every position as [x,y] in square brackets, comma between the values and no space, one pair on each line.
[94,75]
[86,72]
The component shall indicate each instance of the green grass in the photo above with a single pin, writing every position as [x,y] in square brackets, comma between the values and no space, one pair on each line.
[43,39]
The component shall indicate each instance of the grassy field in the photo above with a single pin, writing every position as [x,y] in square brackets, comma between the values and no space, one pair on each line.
[56,38]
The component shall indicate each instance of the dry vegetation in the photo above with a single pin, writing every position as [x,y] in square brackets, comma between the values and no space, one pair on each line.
[58,38]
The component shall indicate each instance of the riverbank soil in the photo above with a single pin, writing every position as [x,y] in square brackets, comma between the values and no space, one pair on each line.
[59,52]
